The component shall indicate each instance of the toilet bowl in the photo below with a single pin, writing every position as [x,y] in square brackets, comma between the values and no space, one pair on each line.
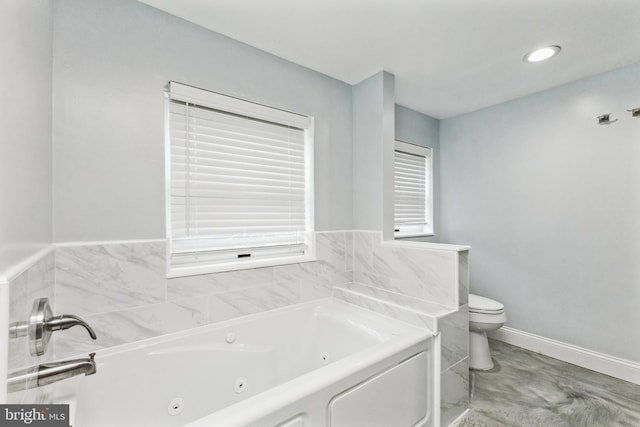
[485,315]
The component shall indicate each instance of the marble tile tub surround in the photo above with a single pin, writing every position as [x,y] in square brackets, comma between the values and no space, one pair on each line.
[121,288]
[426,285]
[122,291]
[109,277]
[454,364]
[463,278]
[426,271]
[36,281]
[454,392]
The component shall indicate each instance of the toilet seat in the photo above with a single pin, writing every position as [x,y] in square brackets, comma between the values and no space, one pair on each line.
[487,319]
[482,305]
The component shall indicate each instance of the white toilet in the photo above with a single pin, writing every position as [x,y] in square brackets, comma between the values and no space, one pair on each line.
[484,315]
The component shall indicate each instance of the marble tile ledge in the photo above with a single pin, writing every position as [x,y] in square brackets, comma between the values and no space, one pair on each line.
[409,309]
[401,243]
[426,245]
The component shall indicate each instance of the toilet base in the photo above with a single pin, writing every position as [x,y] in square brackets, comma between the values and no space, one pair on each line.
[479,352]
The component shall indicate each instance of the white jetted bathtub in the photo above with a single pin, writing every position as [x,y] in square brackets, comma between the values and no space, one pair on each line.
[325,363]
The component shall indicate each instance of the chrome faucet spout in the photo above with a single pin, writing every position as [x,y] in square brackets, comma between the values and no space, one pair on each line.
[48,373]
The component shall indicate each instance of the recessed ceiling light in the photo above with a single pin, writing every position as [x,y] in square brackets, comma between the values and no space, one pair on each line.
[541,54]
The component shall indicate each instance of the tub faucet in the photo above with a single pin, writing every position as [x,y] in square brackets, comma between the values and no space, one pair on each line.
[42,323]
[47,373]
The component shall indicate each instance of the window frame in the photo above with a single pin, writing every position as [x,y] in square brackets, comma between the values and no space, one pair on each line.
[208,99]
[426,152]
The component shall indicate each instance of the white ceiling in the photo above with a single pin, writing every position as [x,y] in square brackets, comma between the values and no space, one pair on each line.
[449,56]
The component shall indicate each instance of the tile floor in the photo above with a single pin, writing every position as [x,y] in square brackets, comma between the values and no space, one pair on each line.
[526,389]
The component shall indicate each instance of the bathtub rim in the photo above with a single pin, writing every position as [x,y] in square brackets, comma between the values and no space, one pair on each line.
[147,342]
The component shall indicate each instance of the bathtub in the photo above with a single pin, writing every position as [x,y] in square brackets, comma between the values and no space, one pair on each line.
[324,363]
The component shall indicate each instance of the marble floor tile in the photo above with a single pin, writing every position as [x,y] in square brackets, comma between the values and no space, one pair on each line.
[526,389]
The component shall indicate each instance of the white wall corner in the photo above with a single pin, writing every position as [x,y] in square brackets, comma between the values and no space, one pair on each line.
[4,337]
[388,147]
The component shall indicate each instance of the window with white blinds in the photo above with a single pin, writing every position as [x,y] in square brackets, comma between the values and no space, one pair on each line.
[240,183]
[413,190]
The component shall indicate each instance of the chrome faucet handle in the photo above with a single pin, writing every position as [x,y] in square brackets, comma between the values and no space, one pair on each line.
[42,323]
[65,321]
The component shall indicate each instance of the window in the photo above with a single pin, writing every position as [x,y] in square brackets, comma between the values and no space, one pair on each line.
[413,190]
[239,187]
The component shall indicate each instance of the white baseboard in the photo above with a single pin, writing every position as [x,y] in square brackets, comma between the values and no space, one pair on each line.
[599,362]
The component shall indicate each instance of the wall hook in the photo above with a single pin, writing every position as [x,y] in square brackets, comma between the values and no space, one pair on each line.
[605,119]
[635,112]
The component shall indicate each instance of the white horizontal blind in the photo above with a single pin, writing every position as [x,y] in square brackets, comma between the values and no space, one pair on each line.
[238,187]
[411,188]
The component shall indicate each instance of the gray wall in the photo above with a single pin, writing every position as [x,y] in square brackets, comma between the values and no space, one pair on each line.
[25,128]
[112,61]
[550,203]
[420,129]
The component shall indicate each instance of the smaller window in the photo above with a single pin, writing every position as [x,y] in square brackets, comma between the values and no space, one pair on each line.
[413,190]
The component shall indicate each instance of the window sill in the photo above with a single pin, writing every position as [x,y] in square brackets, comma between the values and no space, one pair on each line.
[408,235]
[234,266]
